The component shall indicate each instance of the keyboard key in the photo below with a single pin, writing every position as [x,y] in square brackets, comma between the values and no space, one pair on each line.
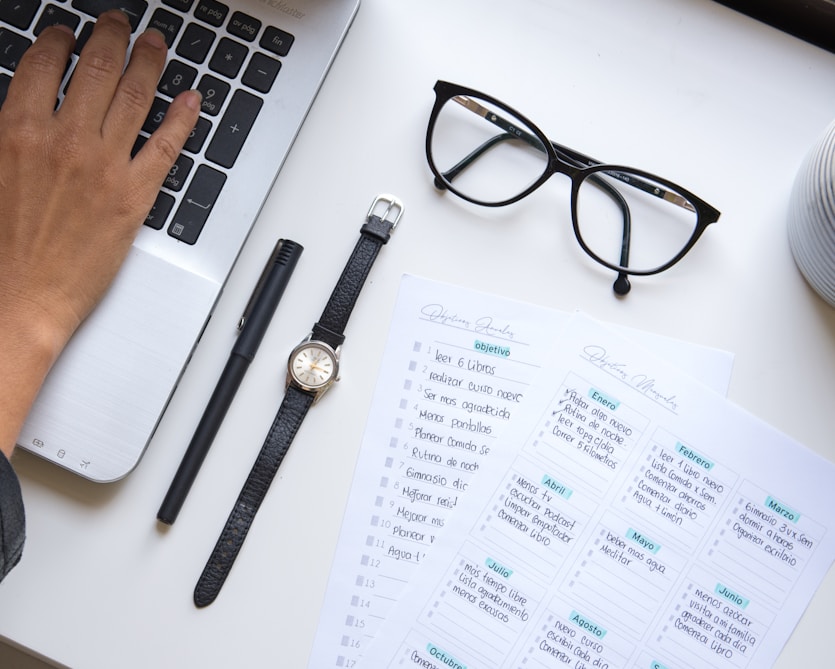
[243,26]
[182,5]
[54,15]
[138,143]
[83,36]
[19,13]
[160,211]
[228,58]
[159,108]
[135,9]
[5,79]
[197,204]
[212,12]
[261,72]
[176,78]
[198,135]
[177,175]
[193,144]
[154,119]
[277,41]
[195,43]
[167,23]
[233,128]
[214,93]
[12,47]
[174,180]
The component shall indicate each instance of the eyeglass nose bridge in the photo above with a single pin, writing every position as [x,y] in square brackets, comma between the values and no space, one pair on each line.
[557,164]
[561,162]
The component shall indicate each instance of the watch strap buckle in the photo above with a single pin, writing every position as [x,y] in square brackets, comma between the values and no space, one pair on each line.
[391,208]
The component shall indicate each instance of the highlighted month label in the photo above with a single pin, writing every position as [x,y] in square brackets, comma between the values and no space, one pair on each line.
[500,569]
[556,487]
[733,597]
[443,657]
[694,457]
[781,509]
[587,625]
[644,542]
[601,398]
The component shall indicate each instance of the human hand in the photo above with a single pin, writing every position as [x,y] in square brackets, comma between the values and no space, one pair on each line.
[71,197]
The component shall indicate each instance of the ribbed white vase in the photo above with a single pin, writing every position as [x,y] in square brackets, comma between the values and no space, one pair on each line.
[812,216]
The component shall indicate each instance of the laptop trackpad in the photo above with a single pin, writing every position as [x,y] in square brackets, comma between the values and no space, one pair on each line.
[103,398]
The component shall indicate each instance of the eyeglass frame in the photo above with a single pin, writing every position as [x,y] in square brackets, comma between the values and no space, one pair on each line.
[583,167]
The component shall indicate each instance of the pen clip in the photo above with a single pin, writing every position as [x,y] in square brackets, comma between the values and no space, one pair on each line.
[275,256]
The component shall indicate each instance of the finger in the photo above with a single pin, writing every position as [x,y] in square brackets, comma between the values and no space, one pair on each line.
[99,68]
[135,92]
[33,90]
[154,160]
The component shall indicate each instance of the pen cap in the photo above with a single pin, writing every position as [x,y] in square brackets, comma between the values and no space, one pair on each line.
[811,224]
[266,296]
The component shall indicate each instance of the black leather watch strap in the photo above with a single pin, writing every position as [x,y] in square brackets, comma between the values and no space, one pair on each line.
[287,421]
[377,230]
[297,401]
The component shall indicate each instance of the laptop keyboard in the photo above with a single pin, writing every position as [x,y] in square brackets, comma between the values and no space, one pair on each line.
[243,59]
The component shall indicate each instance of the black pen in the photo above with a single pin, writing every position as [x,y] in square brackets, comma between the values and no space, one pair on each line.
[252,326]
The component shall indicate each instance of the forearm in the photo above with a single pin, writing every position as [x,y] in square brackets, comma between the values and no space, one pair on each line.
[29,350]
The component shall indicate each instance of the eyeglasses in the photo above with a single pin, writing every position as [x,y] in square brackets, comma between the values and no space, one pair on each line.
[628,220]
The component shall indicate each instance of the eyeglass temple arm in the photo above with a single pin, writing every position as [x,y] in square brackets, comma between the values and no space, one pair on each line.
[582,160]
[622,284]
[570,155]
[451,174]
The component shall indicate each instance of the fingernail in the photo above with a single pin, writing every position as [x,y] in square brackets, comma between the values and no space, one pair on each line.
[64,28]
[156,38]
[194,100]
[119,15]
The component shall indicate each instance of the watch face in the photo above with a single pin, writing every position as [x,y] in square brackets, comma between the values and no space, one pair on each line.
[313,365]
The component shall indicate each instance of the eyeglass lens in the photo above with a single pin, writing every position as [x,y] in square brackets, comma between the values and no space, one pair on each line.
[481,159]
[627,220]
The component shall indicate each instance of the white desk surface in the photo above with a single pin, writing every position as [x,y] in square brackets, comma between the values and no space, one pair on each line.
[713,100]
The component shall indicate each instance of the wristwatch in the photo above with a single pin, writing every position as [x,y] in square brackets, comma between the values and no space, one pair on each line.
[313,367]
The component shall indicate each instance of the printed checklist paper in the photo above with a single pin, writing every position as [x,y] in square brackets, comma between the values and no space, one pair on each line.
[457,370]
[632,519]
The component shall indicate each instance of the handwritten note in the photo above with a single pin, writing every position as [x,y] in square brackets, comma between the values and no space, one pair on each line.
[457,369]
[631,518]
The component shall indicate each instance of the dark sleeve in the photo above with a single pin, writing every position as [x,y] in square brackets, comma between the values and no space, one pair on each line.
[12,520]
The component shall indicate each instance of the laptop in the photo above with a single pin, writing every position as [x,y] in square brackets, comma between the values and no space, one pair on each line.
[810,20]
[259,65]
